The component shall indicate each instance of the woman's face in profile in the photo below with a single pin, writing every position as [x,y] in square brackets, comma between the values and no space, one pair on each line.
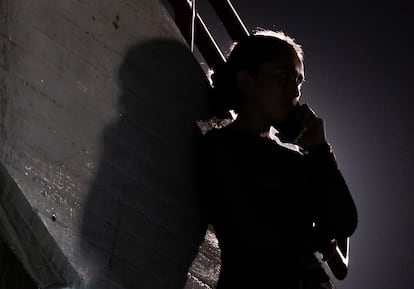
[275,90]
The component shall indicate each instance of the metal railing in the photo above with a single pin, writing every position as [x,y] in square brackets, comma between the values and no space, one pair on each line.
[196,33]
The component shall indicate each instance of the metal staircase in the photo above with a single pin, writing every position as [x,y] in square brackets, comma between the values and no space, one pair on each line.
[196,32]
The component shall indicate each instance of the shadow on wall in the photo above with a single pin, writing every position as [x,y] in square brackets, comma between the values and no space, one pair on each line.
[142,223]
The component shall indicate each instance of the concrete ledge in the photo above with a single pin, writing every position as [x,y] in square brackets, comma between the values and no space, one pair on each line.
[24,232]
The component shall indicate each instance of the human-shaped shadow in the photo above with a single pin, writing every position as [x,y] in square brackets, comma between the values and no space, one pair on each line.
[142,223]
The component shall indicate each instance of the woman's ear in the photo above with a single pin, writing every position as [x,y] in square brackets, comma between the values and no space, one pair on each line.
[244,82]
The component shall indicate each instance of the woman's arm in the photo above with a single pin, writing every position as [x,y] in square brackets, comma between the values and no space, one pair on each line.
[336,211]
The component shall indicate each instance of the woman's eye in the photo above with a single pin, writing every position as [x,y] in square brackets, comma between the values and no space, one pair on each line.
[285,77]
[300,80]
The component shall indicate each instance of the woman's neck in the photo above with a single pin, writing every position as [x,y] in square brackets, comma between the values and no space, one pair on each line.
[251,125]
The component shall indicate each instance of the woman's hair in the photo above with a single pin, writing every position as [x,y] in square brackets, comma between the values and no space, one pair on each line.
[246,55]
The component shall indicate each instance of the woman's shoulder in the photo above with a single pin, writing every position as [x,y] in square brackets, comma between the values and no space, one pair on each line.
[221,143]
[220,135]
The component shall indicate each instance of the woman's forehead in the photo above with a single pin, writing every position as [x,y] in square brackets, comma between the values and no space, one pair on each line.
[288,61]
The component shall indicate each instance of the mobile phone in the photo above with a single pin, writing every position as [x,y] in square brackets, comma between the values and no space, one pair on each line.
[290,128]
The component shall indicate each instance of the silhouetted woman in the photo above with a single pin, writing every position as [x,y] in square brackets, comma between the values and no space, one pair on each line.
[274,197]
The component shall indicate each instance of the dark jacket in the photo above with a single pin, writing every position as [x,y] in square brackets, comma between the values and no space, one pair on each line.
[271,207]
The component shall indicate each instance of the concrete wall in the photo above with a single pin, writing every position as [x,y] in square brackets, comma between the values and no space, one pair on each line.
[98,103]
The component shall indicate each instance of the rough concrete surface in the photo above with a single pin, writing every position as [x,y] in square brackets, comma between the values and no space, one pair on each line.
[98,107]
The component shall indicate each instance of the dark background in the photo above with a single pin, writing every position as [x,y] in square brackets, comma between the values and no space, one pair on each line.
[358,70]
